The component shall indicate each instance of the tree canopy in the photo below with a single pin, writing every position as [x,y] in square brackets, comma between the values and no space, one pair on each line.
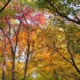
[39,40]
[68,9]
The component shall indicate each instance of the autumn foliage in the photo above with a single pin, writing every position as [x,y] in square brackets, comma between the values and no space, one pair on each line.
[35,45]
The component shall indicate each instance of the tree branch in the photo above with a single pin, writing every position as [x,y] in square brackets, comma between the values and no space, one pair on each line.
[60,14]
[5,5]
[62,55]
[72,59]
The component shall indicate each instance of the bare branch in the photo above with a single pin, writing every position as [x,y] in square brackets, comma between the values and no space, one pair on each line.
[5,5]
[72,59]
[62,55]
[61,14]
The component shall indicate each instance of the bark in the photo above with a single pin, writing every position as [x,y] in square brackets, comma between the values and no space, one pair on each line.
[72,59]
[3,55]
[5,5]
[26,62]
[13,48]
[72,62]
[61,14]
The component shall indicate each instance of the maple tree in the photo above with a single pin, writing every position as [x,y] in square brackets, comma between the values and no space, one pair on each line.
[32,47]
[12,31]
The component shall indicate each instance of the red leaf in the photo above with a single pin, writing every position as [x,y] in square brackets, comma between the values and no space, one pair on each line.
[19,17]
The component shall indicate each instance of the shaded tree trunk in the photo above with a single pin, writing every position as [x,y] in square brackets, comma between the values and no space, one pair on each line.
[13,67]
[3,55]
[26,61]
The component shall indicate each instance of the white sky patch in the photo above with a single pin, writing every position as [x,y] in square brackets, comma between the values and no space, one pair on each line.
[23,57]
[46,15]
[18,21]
[76,7]
[28,21]
[34,75]
[70,16]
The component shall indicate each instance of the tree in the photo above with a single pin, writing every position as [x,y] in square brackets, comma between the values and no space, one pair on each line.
[55,59]
[63,8]
[12,34]
[32,50]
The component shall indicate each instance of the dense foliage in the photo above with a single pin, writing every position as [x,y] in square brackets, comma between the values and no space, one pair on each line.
[39,40]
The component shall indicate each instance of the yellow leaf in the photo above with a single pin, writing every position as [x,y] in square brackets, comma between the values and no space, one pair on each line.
[13,21]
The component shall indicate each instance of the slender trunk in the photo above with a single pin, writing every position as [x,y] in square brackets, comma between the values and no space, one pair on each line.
[3,55]
[13,67]
[3,73]
[13,61]
[26,62]
[13,48]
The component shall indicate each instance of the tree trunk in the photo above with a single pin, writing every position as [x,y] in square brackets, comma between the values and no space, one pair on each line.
[26,62]
[13,67]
